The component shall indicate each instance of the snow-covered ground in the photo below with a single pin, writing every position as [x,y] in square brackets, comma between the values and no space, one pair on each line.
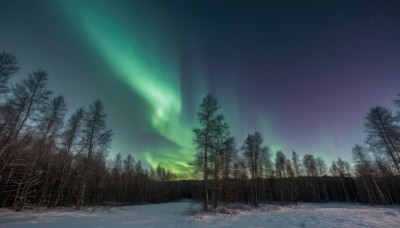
[171,215]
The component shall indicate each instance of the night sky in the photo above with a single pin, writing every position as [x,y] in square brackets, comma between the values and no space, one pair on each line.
[303,73]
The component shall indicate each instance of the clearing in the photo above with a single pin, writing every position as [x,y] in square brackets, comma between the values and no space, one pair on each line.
[171,215]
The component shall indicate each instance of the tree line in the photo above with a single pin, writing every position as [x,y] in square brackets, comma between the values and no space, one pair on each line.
[51,158]
[48,160]
[252,173]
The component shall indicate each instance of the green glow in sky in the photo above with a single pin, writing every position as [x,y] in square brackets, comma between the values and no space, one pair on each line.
[137,56]
[140,52]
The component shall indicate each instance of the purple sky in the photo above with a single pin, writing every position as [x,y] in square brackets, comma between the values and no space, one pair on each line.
[304,73]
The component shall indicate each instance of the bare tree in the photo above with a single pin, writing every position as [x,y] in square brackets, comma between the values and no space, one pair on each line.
[206,115]
[296,163]
[322,169]
[280,162]
[310,165]
[321,166]
[8,67]
[363,164]
[396,101]
[219,135]
[49,128]
[365,170]
[128,171]
[117,177]
[27,103]
[96,139]
[70,139]
[343,170]
[72,134]
[383,135]
[229,155]
[253,152]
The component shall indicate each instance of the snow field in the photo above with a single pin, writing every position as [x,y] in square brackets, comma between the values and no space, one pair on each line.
[176,215]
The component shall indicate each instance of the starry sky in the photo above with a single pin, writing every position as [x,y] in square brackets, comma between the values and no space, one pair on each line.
[303,73]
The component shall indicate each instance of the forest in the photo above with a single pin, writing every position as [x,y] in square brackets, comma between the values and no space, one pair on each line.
[51,159]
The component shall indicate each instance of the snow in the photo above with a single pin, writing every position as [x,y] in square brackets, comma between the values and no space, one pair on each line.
[172,215]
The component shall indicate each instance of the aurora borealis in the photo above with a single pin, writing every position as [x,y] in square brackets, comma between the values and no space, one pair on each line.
[303,74]
[135,57]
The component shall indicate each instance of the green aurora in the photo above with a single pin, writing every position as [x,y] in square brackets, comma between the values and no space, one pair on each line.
[146,59]
[169,55]
[134,54]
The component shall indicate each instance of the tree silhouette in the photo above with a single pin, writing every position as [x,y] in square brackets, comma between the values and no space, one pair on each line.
[207,114]
[96,141]
[8,67]
[254,154]
[383,134]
